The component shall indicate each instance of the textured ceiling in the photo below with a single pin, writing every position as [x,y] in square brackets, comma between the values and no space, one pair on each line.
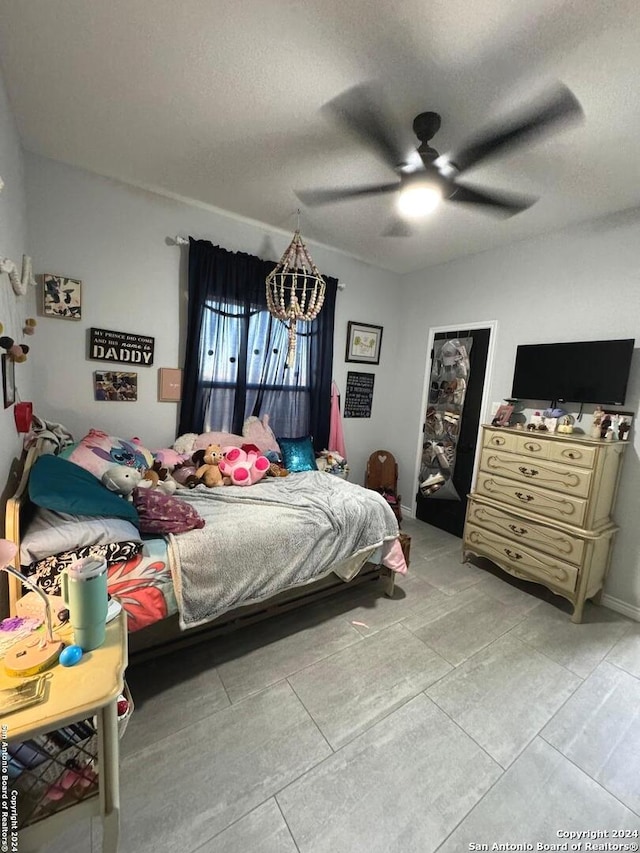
[219,101]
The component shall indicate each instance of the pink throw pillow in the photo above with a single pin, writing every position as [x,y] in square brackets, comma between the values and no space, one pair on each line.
[97,452]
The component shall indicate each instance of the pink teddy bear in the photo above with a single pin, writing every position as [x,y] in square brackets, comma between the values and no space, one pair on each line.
[243,469]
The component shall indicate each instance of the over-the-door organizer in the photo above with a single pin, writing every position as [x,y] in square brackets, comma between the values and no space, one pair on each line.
[541,509]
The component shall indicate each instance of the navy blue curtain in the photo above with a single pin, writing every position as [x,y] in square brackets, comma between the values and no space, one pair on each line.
[236,351]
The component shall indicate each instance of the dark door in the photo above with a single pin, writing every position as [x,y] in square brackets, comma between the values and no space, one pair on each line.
[451,429]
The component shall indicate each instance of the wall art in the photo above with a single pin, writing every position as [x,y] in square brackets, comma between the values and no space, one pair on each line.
[358,398]
[169,384]
[61,297]
[363,343]
[106,345]
[111,385]
[8,381]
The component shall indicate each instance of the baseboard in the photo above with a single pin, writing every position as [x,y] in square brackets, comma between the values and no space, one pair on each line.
[407,511]
[621,607]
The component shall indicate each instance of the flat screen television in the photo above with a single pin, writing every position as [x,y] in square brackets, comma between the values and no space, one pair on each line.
[580,372]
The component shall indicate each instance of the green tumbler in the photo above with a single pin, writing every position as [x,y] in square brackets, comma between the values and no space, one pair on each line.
[84,590]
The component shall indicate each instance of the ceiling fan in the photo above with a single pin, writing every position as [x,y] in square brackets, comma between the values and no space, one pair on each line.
[426,177]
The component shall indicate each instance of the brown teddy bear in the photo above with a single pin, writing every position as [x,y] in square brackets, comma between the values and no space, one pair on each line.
[208,471]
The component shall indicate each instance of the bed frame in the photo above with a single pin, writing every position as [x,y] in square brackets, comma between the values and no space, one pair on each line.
[166,635]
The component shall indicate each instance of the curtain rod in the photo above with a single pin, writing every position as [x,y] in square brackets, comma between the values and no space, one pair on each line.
[184,241]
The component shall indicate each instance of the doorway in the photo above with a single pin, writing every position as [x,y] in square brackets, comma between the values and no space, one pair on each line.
[453,405]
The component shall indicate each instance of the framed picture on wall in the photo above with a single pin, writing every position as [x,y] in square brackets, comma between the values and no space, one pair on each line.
[8,381]
[363,343]
[169,384]
[115,385]
[61,297]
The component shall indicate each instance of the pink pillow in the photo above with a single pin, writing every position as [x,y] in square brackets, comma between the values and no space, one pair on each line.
[97,452]
[257,431]
[162,513]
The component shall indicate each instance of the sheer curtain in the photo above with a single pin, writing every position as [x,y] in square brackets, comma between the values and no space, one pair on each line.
[236,351]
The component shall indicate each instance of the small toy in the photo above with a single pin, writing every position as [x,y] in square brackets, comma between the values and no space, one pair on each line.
[70,655]
[121,479]
[210,470]
[244,469]
[184,443]
[185,475]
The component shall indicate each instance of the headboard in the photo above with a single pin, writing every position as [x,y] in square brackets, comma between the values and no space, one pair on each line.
[18,511]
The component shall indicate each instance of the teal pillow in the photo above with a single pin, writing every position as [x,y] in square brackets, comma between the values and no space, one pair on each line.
[60,485]
[298,454]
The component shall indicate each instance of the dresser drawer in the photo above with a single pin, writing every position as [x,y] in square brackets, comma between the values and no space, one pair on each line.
[530,534]
[530,445]
[573,454]
[561,507]
[497,439]
[550,475]
[519,561]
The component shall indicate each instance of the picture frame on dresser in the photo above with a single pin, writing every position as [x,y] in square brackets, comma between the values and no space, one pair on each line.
[619,422]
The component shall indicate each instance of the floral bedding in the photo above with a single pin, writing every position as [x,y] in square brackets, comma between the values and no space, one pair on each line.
[139,577]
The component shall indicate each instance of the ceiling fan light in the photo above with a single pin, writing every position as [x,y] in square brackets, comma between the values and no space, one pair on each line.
[418,200]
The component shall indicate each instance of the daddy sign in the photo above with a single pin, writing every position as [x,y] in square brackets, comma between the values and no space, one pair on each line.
[105,345]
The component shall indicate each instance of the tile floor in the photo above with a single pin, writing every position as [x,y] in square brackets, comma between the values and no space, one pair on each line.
[468,710]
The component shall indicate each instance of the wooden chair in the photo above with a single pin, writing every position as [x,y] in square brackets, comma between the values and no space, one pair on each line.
[382,476]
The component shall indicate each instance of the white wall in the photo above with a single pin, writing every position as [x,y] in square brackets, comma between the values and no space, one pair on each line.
[114,238]
[13,243]
[580,283]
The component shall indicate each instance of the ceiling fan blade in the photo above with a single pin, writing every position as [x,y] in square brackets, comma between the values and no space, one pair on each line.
[502,204]
[560,106]
[398,227]
[314,198]
[359,110]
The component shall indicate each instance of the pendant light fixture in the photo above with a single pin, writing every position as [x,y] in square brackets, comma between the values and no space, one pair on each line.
[295,289]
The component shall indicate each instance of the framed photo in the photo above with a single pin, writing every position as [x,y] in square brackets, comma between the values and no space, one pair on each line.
[8,381]
[169,384]
[363,343]
[61,297]
[502,415]
[115,385]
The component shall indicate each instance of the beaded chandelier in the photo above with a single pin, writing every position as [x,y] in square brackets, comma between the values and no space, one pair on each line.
[295,290]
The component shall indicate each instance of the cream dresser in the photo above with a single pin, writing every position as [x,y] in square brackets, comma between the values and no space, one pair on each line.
[541,509]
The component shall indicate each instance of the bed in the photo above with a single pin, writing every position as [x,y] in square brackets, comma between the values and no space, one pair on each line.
[263,549]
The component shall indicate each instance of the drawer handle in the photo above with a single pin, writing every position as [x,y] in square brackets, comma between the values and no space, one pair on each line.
[512,555]
[528,472]
[573,455]
[497,440]
[524,498]
[533,446]
[519,531]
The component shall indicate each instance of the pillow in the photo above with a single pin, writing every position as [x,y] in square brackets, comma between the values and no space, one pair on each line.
[46,572]
[298,454]
[58,484]
[224,439]
[98,451]
[162,513]
[257,431]
[51,532]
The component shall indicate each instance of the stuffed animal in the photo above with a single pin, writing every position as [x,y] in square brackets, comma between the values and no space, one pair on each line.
[185,475]
[209,471]
[184,443]
[158,478]
[244,469]
[121,479]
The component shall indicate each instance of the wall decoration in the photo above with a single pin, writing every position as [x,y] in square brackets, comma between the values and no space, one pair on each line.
[115,385]
[616,425]
[359,395]
[169,384]
[363,343]
[8,381]
[61,297]
[105,345]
